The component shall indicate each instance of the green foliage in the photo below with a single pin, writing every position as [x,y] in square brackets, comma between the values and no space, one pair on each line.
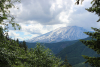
[93,61]
[17,41]
[95,8]
[12,55]
[82,64]
[9,53]
[74,53]
[24,45]
[95,45]
[43,57]
[5,13]
[55,47]
[66,64]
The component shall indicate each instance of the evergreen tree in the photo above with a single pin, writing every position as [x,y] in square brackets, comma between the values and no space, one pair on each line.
[66,64]
[9,54]
[20,45]
[1,34]
[94,43]
[24,45]
[17,41]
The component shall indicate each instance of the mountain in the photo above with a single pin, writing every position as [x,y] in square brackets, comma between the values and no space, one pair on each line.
[68,33]
[75,51]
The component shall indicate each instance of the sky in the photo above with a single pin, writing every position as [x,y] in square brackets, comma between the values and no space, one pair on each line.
[37,17]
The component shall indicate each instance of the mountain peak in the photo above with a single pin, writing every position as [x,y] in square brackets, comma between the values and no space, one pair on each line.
[61,34]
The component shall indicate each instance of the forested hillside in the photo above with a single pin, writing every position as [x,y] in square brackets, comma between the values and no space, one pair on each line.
[74,52]
[55,47]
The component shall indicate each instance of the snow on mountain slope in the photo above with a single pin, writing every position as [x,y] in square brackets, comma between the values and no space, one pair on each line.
[61,34]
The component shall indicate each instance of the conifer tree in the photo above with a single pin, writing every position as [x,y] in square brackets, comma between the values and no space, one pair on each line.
[1,34]
[17,41]
[94,43]
[24,45]
[20,45]
[66,64]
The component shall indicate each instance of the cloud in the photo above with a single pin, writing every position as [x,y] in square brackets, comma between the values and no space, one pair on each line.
[83,18]
[38,17]
[44,12]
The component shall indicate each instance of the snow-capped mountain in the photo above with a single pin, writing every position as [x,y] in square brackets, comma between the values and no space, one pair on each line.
[61,34]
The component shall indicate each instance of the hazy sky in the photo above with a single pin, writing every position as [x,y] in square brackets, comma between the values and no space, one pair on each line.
[38,17]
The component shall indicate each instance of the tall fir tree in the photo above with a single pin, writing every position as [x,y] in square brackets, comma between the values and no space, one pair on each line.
[94,43]
[1,34]
[20,45]
[17,41]
[24,45]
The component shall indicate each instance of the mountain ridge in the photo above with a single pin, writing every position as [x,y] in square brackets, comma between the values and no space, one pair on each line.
[75,51]
[68,33]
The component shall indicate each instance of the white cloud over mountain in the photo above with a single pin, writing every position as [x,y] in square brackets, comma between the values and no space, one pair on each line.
[38,17]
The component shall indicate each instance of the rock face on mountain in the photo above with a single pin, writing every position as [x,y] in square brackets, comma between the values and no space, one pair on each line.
[68,33]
